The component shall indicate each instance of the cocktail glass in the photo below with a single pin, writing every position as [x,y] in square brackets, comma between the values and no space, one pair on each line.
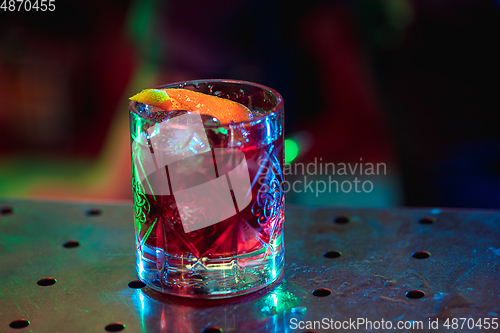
[208,197]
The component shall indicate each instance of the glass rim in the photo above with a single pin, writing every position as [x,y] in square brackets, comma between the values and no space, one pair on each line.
[276,109]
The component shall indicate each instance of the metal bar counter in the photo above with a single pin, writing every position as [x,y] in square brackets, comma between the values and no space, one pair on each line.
[69,267]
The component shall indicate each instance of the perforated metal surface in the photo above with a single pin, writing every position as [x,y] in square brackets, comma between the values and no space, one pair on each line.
[367,271]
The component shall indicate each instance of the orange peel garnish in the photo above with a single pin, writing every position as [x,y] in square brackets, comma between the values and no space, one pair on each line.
[182,99]
[151,97]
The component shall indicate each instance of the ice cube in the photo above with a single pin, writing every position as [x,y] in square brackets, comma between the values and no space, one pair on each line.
[159,115]
[216,133]
[178,137]
[210,121]
[142,108]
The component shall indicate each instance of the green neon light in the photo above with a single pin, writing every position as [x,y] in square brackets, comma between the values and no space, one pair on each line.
[291,150]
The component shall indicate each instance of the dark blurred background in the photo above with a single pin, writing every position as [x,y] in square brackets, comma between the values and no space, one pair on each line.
[412,84]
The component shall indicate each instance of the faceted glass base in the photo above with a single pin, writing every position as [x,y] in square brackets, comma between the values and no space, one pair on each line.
[209,277]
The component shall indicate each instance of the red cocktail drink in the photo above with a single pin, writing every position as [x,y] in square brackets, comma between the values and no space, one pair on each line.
[208,194]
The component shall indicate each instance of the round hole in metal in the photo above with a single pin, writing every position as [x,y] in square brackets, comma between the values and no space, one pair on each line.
[136,284]
[332,254]
[6,210]
[322,292]
[93,212]
[212,329]
[45,282]
[427,220]
[71,244]
[415,294]
[341,219]
[421,255]
[115,327]
[20,323]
